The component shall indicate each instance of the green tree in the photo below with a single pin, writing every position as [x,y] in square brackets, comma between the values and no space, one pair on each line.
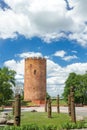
[79,82]
[47,96]
[69,82]
[84,88]
[7,80]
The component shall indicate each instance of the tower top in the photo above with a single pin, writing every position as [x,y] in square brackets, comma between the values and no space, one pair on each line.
[35,58]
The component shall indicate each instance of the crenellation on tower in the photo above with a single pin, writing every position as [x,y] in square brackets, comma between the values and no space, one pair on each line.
[39,58]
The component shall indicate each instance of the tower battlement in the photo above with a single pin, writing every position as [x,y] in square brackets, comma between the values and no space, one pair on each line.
[35,58]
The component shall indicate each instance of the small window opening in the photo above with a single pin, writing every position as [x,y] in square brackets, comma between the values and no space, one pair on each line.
[34,71]
[30,65]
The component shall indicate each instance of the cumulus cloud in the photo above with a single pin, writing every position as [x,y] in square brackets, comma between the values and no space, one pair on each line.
[69,58]
[64,56]
[30,54]
[56,74]
[60,53]
[18,66]
[46,19]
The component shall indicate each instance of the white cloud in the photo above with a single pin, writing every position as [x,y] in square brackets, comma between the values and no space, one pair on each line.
[79,8]
[18,66]
[79,68]
[30,54]
[74,51]
[68,58]
[60,53]
[78,14]
[47,19]
[56,74]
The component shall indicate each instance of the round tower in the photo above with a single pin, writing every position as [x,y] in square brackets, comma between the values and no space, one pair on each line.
[35,80]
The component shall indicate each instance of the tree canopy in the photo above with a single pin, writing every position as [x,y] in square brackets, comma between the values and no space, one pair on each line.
[79,82]
[7,80]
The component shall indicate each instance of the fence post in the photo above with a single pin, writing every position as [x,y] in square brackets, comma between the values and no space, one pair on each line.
[58,109]
[49,108]
[17,110]
[69,105]
[45,104]
[13,105]
[73,114]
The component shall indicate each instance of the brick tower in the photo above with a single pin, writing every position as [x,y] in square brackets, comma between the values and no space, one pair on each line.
[35,80]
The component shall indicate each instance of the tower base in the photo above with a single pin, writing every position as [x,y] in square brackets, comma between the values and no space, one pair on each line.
[38,102]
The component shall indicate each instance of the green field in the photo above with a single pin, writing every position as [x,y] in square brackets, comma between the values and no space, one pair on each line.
[61,102]
[54,103]
[41,119]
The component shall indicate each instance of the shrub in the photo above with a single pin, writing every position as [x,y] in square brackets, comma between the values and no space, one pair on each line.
[49,127]
[29,127]
[71,125]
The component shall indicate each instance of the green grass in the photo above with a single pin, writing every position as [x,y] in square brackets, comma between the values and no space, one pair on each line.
[28,103]
[1,108]
[41,119]
[61,102]
[54,103]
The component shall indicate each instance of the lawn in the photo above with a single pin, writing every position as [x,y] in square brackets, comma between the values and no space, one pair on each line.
[41,119]
[61,102]
[54,103]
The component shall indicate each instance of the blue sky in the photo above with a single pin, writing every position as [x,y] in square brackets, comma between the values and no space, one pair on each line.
[9,49]
[52,29]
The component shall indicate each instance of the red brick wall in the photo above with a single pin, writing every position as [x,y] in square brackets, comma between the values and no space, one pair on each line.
[35,80]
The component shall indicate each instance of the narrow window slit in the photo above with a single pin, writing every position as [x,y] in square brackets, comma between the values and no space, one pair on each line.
[34,72]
